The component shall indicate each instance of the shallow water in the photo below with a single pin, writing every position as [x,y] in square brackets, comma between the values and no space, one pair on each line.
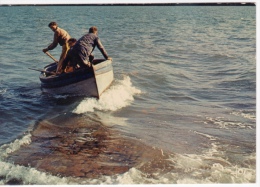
[185,87]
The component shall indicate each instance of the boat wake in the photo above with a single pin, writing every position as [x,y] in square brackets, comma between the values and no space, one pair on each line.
[119,95]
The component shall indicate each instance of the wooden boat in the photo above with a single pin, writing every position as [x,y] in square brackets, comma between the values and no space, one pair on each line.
[84,81]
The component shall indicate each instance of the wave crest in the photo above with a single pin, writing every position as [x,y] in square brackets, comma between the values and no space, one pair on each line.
[119,95]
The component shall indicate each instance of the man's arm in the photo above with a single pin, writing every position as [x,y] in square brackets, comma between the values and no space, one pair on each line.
[102,49]
[53,44]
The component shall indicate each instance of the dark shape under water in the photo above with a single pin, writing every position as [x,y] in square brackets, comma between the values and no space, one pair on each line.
[85,148]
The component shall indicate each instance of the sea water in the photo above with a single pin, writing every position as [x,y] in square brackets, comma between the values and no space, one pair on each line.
[185,84]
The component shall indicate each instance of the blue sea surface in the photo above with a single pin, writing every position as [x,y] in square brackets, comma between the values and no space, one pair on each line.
[185,84]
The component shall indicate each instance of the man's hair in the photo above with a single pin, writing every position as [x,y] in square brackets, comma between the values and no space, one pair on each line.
[72,40]
[93,29]
[52,24]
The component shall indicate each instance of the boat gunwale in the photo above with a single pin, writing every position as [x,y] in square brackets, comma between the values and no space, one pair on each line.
[65,79]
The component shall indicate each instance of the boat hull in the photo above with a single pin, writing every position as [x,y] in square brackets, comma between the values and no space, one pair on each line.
[89,82]
[86,87]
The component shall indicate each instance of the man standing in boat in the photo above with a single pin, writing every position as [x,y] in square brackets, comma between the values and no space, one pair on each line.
[68,65]
[84,47]
[60,37]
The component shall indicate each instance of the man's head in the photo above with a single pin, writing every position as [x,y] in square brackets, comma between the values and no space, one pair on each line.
[93,30]
[53,26]
[72,42]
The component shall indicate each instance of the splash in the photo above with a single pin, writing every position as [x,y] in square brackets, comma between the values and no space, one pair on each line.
[119,95]
[15,174]
[14,146]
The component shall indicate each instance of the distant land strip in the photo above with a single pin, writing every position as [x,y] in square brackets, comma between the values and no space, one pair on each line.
[141,4]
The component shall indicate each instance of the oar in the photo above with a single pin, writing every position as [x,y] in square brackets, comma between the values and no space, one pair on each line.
[43,71]
[47,53]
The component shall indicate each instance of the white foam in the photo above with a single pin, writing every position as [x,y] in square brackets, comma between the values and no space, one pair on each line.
[188,169]
[27,175]
[226,124]
[247,115]
[133,176]
[202,169]
[119,95]
[3,91]
[210,167]
[9,148]
[205,135]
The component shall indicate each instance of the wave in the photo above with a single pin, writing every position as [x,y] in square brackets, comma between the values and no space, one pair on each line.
[15,174]
[223,124]
[210,167]
[119,95]
[156,167]
[245,114]
[14,146]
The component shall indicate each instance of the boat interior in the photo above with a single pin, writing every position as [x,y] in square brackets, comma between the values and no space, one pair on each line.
[50,70]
